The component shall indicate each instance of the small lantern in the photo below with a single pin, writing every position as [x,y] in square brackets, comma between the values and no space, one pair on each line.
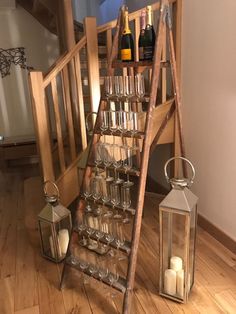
[177,219]
[54,226]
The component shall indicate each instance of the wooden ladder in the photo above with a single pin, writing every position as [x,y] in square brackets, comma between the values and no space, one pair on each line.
[125,285]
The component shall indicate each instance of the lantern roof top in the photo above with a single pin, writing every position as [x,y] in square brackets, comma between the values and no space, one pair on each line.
[53,213]
[180,199]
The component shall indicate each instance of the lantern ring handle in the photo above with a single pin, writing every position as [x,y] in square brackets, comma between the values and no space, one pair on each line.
[182,158]
[54,185]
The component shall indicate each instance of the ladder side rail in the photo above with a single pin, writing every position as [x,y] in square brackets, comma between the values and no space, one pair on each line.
[144,164]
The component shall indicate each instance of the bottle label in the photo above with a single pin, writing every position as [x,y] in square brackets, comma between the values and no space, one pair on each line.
[141,53]
[126,54]
[148,52]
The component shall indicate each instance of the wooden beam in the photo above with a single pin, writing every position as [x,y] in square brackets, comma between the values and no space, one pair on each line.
[42,129]
[93,64]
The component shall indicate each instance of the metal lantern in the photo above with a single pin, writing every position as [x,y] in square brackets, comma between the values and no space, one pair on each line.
[177,221]
[54,227]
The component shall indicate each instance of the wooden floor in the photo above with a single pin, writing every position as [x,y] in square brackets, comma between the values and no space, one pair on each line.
[29,283]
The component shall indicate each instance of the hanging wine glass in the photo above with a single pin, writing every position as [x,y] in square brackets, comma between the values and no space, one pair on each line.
[108,227]
[107,159]
[113,123]
[103,269]
[119,238]
[119,89]
[87,188]
[105,191]
[123,123]
[98,154]
[104,122]
[117,162]
[96,188]
[109,86]
[129,90]
[125,202]
[93,266]
[83,264]
[113,278]
[134,127]
[115,199]
[139,86]
[127,157]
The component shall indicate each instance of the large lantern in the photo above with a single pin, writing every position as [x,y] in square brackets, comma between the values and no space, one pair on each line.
[177,219]
[54,227]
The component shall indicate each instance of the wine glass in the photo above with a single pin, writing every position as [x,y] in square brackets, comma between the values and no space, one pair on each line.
[125,201]
[83,263]
[109,86]
[87,188]
[107,158]
[139,86]
[102,268]
[119,239]
[127,162]
[81,228]
[96,188]
[119,88]
[123,123]
[114,122]
[129,89]
[105,191]
[117,162]
[112,277]
[115,199]
[104,122]
[107,227]
[134,128]
[98,154]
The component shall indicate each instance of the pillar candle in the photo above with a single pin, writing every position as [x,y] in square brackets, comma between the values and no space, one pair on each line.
[176,263]
[52,247]
[63,237]
[180,283]
[170,281]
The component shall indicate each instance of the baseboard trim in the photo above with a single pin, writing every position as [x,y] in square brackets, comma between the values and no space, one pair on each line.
[216,233]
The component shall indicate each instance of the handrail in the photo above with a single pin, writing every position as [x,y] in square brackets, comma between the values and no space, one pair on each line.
[59,65]
[132,16]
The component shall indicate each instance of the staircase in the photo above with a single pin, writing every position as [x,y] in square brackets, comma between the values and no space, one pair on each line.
[45,12]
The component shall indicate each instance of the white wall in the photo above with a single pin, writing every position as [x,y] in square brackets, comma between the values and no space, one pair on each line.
[19,29]
[209,106]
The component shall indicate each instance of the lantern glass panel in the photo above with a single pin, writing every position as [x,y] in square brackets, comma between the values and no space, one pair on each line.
[174,247]
[193,217]
[46,234]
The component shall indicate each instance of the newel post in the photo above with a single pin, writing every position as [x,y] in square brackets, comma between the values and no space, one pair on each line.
[93,62]
[41,124]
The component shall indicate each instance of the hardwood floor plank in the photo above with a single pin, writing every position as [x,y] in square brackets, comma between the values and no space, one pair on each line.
[31,310]
[226,255]
[50,298]
[7,295]
[75,298]
[8,235]
[26,294]
[227,301]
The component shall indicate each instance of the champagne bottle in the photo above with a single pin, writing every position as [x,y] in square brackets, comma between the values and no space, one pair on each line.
[127,42]
[150,36]
[141,40]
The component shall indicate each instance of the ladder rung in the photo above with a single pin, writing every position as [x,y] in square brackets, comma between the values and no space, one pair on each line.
[132,172]
[138,135]
[123,248]
[120,285]
[99,202]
